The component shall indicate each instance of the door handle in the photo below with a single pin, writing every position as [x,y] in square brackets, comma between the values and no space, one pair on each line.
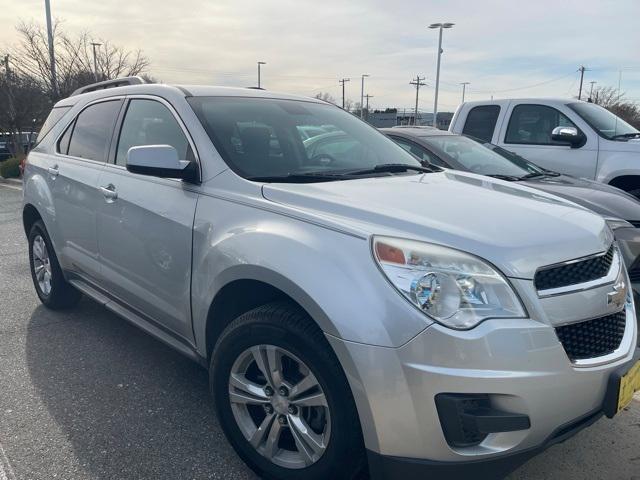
[109,192]
[53,171]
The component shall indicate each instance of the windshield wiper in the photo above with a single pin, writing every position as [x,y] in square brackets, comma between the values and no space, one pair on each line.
[545,173]
[299,178]
[390,168]
[625,135]
[508,178]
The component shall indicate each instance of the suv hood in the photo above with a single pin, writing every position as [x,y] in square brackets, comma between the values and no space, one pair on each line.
[518,229]
[599,197]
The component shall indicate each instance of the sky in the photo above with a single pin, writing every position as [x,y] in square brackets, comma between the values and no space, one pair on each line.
[503,48]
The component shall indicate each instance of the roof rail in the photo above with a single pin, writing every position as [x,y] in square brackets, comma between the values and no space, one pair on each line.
[116,82]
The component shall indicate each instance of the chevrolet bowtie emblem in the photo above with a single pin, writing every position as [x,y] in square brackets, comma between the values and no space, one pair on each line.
[618,296]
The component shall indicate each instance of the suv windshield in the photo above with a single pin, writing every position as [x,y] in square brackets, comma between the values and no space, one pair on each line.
[479,157]
[267,138]
[603,121]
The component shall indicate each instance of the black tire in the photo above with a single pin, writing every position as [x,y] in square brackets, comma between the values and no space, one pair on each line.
[287,326]
[62,294]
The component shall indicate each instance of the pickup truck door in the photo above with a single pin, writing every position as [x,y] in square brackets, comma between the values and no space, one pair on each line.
[526,130]
[145,223]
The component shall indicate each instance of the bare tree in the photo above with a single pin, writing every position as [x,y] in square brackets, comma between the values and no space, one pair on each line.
[74,59]
[616,102]
[326,97]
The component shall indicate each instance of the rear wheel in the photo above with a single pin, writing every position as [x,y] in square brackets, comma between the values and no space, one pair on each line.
[283,399]
[52,289]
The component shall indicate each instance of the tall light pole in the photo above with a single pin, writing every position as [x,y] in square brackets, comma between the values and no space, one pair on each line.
[440,27]
[52,58]
[95,61]
[259,64]
[464,88]
[362,95]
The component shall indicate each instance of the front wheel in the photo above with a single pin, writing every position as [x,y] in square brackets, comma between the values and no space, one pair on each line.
[283,399]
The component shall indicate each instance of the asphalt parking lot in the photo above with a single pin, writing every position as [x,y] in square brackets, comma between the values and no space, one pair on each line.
[85,395]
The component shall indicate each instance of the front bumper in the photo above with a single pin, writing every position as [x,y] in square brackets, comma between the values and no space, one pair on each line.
[518,363]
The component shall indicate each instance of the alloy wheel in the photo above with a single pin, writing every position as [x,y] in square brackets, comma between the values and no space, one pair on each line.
[279,406]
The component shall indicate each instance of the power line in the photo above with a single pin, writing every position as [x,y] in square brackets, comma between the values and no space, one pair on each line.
[528,86]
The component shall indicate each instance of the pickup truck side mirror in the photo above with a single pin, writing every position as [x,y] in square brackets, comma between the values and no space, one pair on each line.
[570,135]
[160,161]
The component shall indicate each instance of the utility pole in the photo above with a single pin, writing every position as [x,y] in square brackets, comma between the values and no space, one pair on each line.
[418,82]
[343,81]
[6,66]
[581,70]
[591,91]
[95,61]
[362,94]
[440,27]
[52,57]
[367,96]
[464,88]
[259,64]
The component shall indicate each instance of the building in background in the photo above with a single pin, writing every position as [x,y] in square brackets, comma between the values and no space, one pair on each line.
[392,117]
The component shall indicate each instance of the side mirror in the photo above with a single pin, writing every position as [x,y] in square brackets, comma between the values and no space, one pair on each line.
[570,135]
[160,161]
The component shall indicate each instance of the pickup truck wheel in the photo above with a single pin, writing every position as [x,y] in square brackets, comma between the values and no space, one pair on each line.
[52,289]
[283,399]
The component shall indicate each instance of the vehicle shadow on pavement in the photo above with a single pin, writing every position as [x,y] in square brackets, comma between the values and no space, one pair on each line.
[130,406]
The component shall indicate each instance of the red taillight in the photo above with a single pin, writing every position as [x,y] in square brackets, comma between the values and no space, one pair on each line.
[387,253]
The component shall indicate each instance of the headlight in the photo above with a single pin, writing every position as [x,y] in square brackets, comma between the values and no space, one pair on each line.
[616,223]
[454,288]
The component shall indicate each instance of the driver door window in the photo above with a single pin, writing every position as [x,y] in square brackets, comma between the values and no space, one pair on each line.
[533,124]
[148,122]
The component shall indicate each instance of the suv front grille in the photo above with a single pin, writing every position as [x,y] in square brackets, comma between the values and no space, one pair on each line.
[574,273]
[593,338]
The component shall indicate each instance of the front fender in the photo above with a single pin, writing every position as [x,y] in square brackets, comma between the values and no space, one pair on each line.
[330,274]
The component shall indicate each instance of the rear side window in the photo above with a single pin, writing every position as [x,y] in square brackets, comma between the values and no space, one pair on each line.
[91,135]
[481,122]
[54,117]
[533,124]
[148,122]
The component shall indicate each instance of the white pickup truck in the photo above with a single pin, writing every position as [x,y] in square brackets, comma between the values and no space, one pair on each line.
[565,135]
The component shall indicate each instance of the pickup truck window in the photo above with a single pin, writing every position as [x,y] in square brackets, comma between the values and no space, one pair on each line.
[263,138]
[148,122]
[604,122]
[533,124]
[481,122]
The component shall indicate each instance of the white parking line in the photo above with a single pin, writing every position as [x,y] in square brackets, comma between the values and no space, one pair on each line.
[6,472]
[12,187]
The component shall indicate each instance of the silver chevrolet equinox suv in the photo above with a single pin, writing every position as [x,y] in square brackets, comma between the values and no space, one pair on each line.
[358,311]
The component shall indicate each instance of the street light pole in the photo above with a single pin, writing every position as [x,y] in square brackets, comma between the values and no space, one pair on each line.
[440,27]
[259,64]
[464,88]
[95,61]
[362,95]
[52,58]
